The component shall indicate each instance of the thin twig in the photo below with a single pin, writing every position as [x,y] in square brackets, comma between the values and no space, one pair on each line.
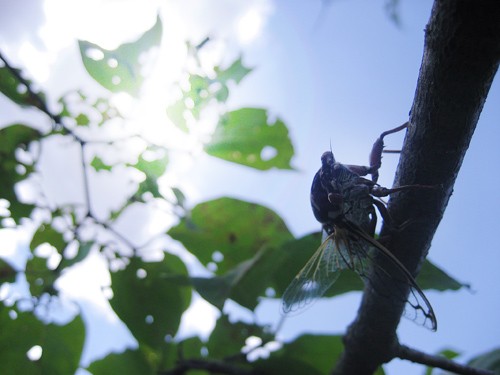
[37,99]
[404,352]
[86,184]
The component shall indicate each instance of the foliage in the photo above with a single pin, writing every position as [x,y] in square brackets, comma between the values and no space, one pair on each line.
[246,247]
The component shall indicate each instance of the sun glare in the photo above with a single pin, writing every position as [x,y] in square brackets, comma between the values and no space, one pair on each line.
[108,24]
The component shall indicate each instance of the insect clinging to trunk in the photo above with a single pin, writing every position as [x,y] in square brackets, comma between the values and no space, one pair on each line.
[345,203]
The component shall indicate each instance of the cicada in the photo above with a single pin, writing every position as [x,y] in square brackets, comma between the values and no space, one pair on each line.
[345,203]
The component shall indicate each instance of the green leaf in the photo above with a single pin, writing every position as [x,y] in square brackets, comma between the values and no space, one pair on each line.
[175,113]
[82,120]
[16,91]
[228,338]
[191,347]
[99,165]
[230,229]
[218,289]
[47,234]
[447,353]
[83,250]
[13,137]
[148,300]
[40,278]
[87,109]
[153,169]
[61,345]
[488,361]
[246,137]
[130,362]
[215,290]
[120,69]
[432,277]
[236,72]
[179,196]
[308,354]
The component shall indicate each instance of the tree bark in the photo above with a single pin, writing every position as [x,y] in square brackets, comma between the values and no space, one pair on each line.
[461,57]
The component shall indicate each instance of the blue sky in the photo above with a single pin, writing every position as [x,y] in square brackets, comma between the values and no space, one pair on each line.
[338,75]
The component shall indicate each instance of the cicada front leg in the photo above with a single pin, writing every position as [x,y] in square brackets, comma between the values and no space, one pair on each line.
[376,155]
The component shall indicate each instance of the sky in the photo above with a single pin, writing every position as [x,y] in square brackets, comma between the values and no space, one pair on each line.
[337,74]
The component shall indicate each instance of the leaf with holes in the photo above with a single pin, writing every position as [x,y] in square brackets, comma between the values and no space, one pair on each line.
[233,229]
[47,234]
[61,345]
[12,88]
[13,137]
[147,299]
[246,137]
[227,338]
[40,277]
[86,110]
[152,169]
[120,69]
[82,253]
[235,72]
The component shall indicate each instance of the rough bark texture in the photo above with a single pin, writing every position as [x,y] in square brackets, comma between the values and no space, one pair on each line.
[461,57]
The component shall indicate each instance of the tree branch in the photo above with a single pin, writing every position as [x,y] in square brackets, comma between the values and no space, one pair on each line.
[461,57]
[417,356]
[211,366]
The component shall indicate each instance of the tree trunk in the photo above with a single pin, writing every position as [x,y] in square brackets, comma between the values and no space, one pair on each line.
[461,57]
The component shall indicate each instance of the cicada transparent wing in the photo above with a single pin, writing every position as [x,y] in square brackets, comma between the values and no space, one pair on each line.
[351,247]
[321,271]
[393,281]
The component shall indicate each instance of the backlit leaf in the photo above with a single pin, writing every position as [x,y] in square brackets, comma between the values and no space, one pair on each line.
[11,138]
[236,72]
[246,137]
[147,299]
[120,69]
[47,234]
[228,337]
[61,345]
[99,165]
[12,88]
[230,230]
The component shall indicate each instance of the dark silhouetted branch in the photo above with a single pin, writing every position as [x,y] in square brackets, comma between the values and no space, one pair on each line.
[413,355]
